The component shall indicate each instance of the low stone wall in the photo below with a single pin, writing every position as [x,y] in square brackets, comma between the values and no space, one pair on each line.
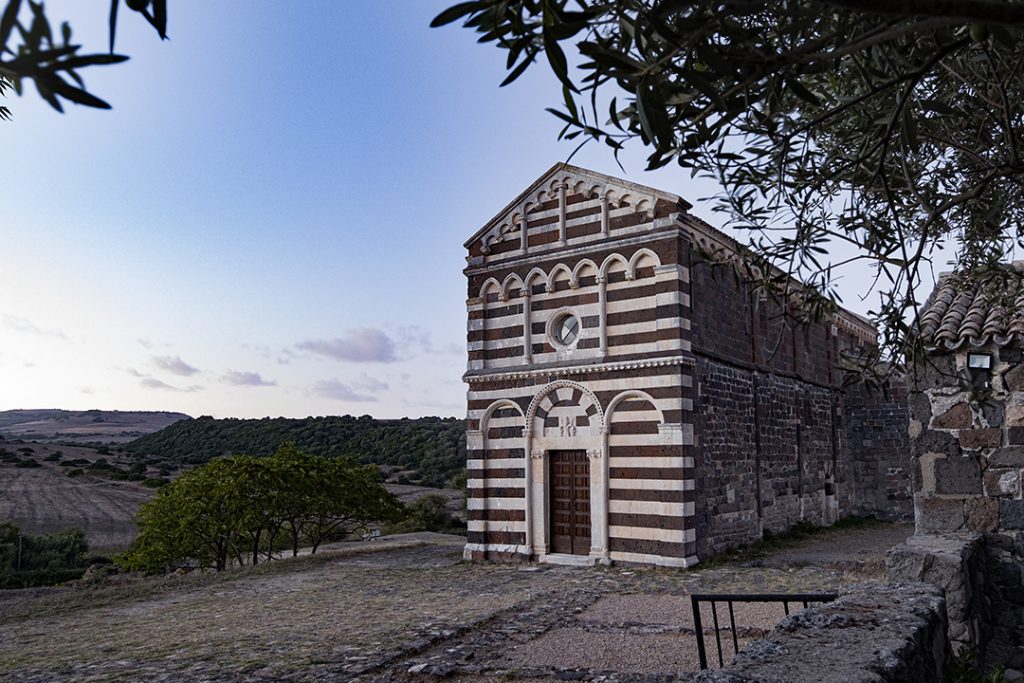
[873,632]
[956,564]
[982,576]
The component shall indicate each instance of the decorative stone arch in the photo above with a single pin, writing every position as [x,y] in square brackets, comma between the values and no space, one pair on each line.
[540,441]
[488,284]
[574,282]
[495,407]
[510,280]
[632,394]
[609,260]
[635,259]
[535,275]
[544,394]
[560,267]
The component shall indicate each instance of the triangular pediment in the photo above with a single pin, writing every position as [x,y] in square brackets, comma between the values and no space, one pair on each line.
[577,181]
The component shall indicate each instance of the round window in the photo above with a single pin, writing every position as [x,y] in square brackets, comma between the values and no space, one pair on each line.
[567,329]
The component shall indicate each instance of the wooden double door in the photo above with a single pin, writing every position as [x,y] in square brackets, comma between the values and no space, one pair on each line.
[569,501]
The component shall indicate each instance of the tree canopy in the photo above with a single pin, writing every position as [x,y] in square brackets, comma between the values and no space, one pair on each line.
[840,131]
[31,49]
[240,507]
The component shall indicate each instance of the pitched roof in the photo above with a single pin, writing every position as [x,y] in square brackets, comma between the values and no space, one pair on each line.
[975,310]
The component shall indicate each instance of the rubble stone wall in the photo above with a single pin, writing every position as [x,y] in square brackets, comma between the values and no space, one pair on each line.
[967,444]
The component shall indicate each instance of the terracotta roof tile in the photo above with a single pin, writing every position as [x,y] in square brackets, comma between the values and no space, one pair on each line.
[975,310]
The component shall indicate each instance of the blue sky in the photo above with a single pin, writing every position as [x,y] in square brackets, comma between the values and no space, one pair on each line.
[270,220]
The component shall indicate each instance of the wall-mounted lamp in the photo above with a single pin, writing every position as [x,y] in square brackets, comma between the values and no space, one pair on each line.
[979,367]
[979,361]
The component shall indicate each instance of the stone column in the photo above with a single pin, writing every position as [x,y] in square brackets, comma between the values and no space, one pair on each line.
[605,228]
[527,328]
[528,488]
[602,306]
[524,240]
[599,500]
[540,536]
[561,214]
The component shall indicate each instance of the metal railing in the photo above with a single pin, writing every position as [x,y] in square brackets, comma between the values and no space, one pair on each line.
[729,598]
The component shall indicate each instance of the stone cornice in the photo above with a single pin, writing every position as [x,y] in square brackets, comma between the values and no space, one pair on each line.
[504,374]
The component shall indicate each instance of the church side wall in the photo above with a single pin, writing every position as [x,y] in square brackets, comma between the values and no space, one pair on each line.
[774,428]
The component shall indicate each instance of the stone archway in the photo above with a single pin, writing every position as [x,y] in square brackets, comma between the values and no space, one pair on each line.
[565,428]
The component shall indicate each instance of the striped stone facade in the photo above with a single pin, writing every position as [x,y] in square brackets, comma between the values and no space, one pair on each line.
[581,338]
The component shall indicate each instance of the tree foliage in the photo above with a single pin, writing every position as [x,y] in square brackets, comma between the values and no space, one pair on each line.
[841,131]
[27,560]
[31,49]
[240,508]
[434,447]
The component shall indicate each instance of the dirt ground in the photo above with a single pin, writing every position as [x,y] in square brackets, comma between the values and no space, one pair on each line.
[403,609]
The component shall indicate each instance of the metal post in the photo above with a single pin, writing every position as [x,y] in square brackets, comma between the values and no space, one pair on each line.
[698,628]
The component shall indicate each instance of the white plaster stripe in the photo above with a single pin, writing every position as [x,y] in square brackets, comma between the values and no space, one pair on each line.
[491,525]
[651,507]
[653,461]
[496,482]
[505,422]
[640,558]
[494,503]
[495,463]
[644,485]
[648,534]
[680,438]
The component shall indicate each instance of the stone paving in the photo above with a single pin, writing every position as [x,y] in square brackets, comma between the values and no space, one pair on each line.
[410,613]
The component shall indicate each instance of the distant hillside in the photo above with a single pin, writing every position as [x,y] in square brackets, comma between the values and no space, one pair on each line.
[84,426]
[432,449]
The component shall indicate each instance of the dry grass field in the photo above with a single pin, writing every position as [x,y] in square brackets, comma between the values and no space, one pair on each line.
[45,499]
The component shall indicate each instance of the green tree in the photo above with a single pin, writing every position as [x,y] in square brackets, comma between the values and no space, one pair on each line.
[841,131]
[31,49]
[238,506]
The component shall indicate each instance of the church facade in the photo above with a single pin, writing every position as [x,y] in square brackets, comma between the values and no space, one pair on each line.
[629,402]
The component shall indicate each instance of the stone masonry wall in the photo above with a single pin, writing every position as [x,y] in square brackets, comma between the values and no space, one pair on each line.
[875,430]
[764,452]
[968,449]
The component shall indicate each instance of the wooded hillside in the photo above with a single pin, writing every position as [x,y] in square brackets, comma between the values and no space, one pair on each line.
[432,449]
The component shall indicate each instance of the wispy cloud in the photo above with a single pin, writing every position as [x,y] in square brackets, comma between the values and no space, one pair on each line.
[20,324]
[175,365]
[332,388]
[368,383]
[149,344]
[360,345]
[154,383]
[240,378]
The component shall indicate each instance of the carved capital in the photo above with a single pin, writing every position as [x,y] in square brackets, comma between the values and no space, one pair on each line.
[537,453]
[601,279]
[594,454]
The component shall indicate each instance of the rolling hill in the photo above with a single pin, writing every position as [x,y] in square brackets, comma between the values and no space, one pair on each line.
[431,450]
[83,426]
